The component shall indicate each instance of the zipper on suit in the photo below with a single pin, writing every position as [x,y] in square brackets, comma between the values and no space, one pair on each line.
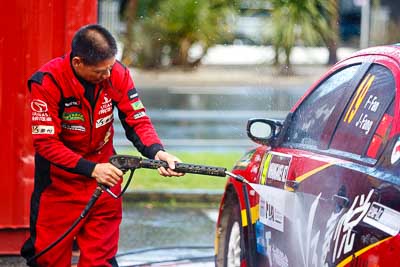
[91,115]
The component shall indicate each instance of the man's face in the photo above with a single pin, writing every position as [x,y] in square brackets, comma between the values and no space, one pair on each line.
[93,73]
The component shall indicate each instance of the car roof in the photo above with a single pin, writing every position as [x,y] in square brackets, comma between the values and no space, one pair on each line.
[392,51]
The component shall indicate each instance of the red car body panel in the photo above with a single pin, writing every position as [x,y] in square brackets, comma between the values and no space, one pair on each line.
[329,231]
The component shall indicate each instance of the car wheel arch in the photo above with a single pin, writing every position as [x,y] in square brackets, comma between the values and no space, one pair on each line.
[228,205]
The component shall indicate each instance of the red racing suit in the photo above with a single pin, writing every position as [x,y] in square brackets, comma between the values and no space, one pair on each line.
[70,137]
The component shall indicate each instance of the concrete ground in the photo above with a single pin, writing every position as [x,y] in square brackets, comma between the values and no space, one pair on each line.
[12,261]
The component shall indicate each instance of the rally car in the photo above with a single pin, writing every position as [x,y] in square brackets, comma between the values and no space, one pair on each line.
[324,184]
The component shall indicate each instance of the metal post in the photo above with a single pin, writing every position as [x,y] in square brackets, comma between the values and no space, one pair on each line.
[365,23]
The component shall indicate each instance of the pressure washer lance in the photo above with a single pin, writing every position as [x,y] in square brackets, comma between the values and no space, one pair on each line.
[131,163]
[125,162]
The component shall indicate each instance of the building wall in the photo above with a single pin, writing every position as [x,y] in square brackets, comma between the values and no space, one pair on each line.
[31,33]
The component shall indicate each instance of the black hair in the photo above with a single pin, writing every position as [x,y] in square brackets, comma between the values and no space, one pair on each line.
[93,44]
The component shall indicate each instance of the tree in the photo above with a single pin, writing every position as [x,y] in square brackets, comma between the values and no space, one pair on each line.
[165,31]
[137,46]
[301,21]
[128,13]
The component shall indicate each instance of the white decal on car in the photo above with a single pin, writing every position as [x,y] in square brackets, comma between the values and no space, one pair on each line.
[279,258]
[364,123]
[383,218]
[396,152]
[330,230]
[271,216]
[276,167]
[344,235]
[308,244]
[372,103]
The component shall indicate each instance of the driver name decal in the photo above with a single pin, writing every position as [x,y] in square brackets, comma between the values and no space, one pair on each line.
[276,168]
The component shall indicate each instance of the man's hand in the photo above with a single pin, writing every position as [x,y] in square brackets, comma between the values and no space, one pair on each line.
[107,174]
[170,159]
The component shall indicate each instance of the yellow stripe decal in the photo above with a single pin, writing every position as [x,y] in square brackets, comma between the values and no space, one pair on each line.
[288,188]
[358,253]
[308,174]
[359,97]
[360,87]
[216,242]
[254,215]
[265,169]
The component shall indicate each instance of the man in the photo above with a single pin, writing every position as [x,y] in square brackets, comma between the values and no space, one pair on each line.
[72,102]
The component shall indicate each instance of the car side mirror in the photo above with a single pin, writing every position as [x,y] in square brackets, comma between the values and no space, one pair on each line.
[263,131]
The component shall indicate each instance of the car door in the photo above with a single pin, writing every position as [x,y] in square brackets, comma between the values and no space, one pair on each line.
[302,224]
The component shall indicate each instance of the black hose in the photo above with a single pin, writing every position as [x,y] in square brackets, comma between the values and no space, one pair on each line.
[89,205]
[107,189]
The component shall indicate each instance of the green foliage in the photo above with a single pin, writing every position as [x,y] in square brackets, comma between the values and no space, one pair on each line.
[151,180]
[165,30]
[301,21]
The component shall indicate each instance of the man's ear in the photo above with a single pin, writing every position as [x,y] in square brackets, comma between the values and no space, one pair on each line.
[76,62]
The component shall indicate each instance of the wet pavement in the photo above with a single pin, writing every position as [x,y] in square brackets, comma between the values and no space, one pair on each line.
[183,235]
[165,236]
[168,256]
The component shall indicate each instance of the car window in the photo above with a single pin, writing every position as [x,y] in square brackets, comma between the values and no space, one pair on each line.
[367,117]
[381,136]
[311,117]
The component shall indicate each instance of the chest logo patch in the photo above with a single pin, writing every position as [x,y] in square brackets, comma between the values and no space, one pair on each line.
[42,129]
[38,105]
[73,116]
[105,120]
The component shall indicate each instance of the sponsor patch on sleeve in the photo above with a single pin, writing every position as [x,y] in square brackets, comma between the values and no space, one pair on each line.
[42,129]
[139,115]
[137,105]
[132,94]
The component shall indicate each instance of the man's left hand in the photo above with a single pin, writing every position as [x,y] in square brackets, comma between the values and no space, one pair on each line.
[170,159]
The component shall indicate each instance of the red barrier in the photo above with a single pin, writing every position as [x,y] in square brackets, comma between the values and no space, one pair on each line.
[31,33]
